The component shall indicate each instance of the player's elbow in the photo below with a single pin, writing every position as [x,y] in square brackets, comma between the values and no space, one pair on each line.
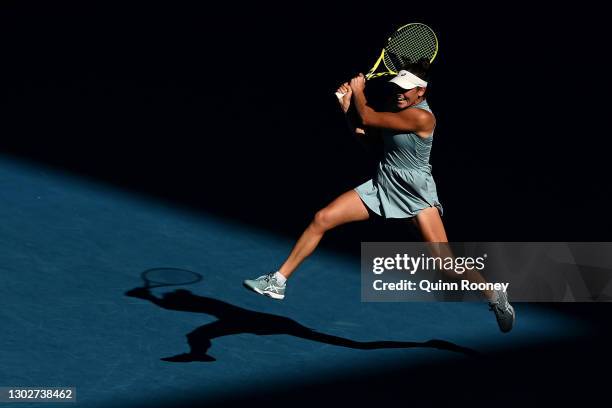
[366,120]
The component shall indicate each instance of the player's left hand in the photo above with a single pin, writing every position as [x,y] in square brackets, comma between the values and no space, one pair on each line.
[345,101]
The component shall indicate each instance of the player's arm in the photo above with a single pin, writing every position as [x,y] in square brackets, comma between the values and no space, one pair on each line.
[411,120]
[352,118]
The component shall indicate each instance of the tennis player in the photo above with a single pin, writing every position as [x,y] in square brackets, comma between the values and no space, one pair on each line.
[403,186]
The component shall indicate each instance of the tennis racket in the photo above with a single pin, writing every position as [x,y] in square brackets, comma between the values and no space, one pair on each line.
[409,43]
[159,277]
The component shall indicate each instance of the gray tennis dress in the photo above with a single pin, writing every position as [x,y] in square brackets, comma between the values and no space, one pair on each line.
[403,184]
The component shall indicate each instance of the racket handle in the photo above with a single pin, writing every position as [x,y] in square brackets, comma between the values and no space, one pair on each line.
[339,95]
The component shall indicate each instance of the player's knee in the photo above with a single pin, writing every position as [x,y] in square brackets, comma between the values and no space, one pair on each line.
[323,220]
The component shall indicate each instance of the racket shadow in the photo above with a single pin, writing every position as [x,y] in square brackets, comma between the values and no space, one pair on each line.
[232,319]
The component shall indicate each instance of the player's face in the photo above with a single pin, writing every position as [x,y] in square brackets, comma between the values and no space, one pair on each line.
[404,98]
[407,98]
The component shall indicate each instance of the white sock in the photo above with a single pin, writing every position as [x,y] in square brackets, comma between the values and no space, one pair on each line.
[280,278]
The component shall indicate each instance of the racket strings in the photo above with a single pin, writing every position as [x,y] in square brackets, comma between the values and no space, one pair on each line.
[410,45]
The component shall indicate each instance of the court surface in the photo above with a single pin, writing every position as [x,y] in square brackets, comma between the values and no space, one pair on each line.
[71,248]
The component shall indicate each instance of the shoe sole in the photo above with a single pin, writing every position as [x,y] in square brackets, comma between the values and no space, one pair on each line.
[513,320]
[271,295]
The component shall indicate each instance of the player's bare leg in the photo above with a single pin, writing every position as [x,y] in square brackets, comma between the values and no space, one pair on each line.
[348,207]
[429,223]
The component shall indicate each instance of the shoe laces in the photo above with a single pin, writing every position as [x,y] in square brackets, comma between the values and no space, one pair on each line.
[272,284]
[269,277]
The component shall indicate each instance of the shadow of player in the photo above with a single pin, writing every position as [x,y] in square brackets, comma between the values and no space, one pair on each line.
[234,320]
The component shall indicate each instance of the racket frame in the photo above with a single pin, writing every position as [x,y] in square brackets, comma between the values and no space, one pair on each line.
[381,58]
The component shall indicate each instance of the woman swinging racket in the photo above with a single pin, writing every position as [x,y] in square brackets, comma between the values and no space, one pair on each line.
[403,186]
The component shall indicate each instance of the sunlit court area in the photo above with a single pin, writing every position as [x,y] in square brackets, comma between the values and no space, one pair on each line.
[152,160]
[73,248]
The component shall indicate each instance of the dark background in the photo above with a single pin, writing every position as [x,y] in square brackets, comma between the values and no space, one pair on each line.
[231,110]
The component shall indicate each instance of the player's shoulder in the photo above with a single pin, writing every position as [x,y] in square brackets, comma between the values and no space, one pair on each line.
[419,114]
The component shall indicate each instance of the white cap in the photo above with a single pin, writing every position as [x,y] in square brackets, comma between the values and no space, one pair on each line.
[407,80]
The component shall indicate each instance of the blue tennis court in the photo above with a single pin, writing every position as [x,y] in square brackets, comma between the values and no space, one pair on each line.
[72,248]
